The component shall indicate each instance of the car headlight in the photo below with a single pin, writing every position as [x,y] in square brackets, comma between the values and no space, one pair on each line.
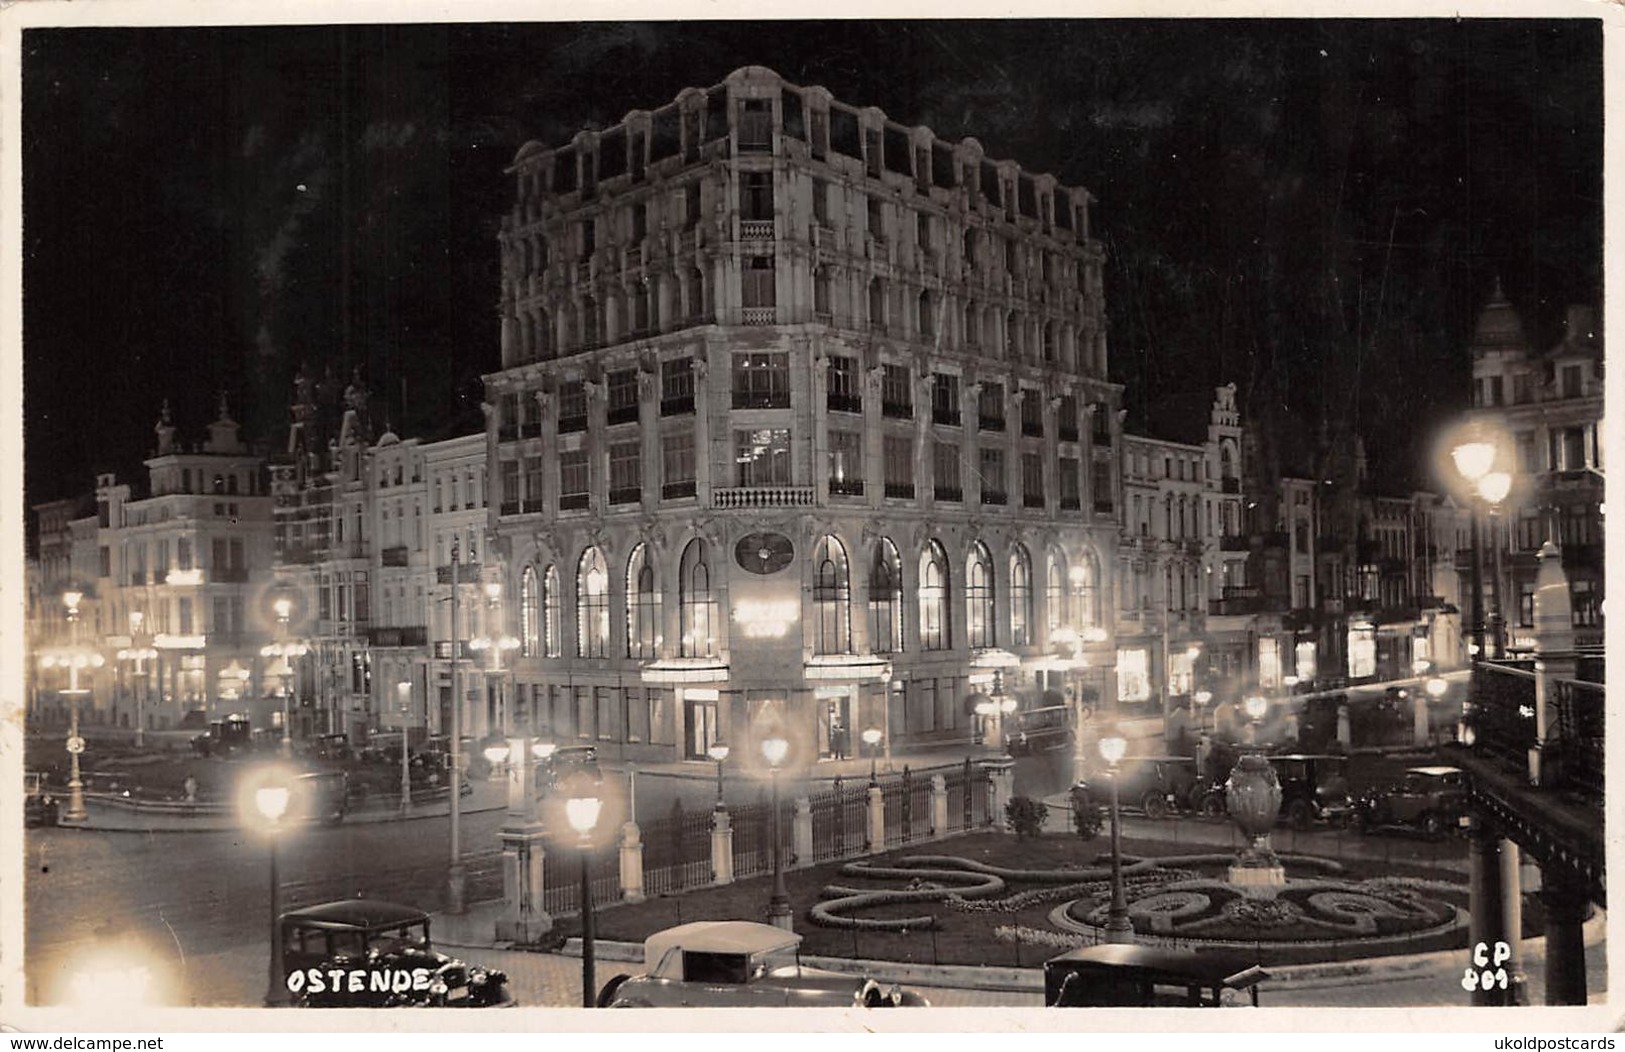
[438,988]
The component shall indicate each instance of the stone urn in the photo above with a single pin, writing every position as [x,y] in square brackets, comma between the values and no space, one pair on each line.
[1253,797]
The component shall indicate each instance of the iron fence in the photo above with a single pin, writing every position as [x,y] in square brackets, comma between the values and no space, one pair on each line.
[677,851]
[1503,710]
[967,797]
[561,879]
[840,820]
[1579,745]
[753,836]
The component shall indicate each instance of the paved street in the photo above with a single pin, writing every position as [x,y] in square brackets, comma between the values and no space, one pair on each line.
[189,895]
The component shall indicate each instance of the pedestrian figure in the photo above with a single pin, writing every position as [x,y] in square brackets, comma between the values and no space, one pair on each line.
[190,788]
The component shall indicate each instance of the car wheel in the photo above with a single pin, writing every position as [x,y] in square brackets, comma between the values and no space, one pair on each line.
[1155,806]
[1298,814]
[606,996]
[1432,824]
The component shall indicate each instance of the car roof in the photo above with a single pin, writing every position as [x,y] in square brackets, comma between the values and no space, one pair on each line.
[1433,772]
[1160,963]
[356,914]
[745,937]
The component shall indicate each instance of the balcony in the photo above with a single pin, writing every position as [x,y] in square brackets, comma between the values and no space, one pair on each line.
[1071,504]
[621,414]
[760,316]
[1101,438]
[626,495]
[761,399]
[896,410]
[1068,434]
[396,556]
[945,417]
[573,501]
[1105,507]
[508,507]
[1032,429]
[948,493]
[677,490]
[844,403]
[229,575]
[756,230]
[568,424]
[682,405]
[763,497]
[995,496]
[990,423]
[899,491]
[1032,500]
[846,487]
[400,636]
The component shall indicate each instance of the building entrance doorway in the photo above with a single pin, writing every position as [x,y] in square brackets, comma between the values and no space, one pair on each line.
[834,727]
[700,718]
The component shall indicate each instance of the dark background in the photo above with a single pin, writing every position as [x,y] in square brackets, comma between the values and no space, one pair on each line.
[1316,210]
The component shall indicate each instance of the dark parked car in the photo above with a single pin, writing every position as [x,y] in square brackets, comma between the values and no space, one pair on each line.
[1153,784]
[40,805]
[363,953]
[232,734]
[320,796]
[1314,788]
[1432,799]
[740,964]
[552,771]
[1129,976]
[1039,730]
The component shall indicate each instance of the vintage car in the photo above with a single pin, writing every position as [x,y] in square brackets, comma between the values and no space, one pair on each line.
[1037,730]
[1314,788]
[320,796]
[551,771]
[1148,977]
[740,964]
[1432,799]
[363,953]
[1153,784]
[40,805]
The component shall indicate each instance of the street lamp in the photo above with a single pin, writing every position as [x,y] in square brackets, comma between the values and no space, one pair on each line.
[265,802]
[1255,707]
[581,810]
[871,738]
[1118,928]
[775,748]
[403,692]
[1474,453]
[718,752]
[74,658]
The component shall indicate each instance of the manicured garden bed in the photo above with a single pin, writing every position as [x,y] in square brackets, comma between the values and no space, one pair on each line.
[976,934]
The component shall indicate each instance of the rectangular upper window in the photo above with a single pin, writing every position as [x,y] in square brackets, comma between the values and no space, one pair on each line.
[623,396]
[761,380]
[573,479]
[572,406]
[677,386]
[896,397]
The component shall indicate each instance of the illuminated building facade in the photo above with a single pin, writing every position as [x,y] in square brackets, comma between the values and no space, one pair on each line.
[803,419]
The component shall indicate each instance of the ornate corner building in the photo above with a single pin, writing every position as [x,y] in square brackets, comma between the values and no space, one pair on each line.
[803,418]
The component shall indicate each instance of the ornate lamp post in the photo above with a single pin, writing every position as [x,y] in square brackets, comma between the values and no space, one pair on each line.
[775,749]
[265,804]
[1118,927]
[718,752]
[403,694]
[581,810]
[73,658]
[871,738]
[1474,452]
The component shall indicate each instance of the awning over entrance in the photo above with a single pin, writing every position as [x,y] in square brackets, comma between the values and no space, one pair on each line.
[855,668]
[686,670]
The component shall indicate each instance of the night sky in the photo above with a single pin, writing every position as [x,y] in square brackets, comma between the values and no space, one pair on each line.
[1313,210]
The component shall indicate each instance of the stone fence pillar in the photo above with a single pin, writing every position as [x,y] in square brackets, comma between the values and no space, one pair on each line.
[877,820]
[801,839]
[523,920]
[631,863]
[1554,649]
[939,805]
[1000,779]
[722,847]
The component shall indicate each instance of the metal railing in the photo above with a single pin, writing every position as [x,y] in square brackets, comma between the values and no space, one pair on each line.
[677,851]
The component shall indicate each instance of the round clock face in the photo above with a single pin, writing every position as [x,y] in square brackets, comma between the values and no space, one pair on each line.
[764,553]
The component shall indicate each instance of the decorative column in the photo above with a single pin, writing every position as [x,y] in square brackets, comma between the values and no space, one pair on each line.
[939,805]
[722,847]
[1000,776]
[1512,910]
[801,834]
[1486,923]
[1566,904]
[523,920]
[631,863]
[877,820]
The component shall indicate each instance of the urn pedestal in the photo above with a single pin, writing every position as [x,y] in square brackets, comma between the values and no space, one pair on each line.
[1253,796]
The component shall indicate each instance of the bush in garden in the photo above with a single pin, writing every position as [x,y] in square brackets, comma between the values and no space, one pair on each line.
[1026,816]
[1087,815]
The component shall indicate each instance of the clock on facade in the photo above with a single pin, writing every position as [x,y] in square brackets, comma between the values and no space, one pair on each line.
[764,553]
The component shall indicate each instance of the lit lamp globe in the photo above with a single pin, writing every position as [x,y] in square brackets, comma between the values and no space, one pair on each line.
[1494,486]
[1473,457]
[496,754]
[271,802]
[1255,707]
[543,750]
[871,737]
[582,813]
[1113,747]
[718,751]
[774,750]
[1436,687]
